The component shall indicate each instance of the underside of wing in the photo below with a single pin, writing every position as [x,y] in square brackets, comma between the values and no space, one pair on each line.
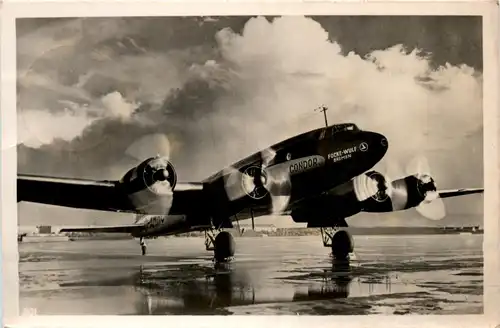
[76,193]
[459,192]
[131,228]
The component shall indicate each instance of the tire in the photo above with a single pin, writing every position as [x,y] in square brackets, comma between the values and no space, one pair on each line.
[224,246]
[342,245]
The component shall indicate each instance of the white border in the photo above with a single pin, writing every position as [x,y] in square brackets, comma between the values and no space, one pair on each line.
[58,8]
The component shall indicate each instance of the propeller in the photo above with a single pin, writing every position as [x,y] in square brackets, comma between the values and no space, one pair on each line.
[257,181]
[148,145]
[397,187]
[383,187]
[158,175]
[432,207]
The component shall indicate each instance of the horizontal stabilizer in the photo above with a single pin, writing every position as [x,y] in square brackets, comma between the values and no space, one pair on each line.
[106,229]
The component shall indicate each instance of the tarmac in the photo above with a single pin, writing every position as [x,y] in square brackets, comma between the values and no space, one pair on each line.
[422,274]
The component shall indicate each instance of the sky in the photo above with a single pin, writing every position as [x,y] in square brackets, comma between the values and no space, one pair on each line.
[93,91]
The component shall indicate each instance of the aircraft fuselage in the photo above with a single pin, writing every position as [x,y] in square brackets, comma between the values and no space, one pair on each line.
[317,161]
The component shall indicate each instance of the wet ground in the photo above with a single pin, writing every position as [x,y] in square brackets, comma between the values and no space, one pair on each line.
[438,274]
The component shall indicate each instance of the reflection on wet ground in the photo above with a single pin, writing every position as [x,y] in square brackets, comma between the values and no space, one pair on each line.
[391,275]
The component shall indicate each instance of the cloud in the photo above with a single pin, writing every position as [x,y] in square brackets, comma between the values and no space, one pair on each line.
[238,91]
[259,81]
[43,127]
[275,76]
[118,107]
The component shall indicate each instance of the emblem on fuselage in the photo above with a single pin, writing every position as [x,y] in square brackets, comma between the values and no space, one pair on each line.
[363,146]
[288,156]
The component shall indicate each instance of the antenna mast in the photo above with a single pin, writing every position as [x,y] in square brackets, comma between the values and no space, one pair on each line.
[323,109]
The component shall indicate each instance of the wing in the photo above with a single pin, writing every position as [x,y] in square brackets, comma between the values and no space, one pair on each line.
[76,193]
[96,195]
[107,229]
[459,192]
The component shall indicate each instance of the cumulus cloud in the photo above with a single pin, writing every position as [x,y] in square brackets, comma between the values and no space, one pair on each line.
[275,76]
[43,127]
[48,127]
[118,107]
[248,95]
[240,90]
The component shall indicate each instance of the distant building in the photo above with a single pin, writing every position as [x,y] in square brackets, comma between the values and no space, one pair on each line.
[259,227]
[44,229]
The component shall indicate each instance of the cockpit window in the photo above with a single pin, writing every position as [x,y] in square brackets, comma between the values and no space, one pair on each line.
[322,135]
[331,130]
[344,127]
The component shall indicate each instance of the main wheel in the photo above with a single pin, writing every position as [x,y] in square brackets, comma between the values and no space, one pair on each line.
[224,246]
[342,245]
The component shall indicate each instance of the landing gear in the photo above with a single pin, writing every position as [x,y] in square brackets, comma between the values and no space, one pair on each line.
[223,245]
[144,248]
[340,242]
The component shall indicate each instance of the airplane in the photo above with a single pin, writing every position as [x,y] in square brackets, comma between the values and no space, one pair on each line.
[320,177]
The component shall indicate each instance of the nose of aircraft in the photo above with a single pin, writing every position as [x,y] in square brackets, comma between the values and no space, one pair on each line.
[376,144]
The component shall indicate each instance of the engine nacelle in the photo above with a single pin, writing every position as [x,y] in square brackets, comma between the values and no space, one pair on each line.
[397,195]
[369,192]
[149,185]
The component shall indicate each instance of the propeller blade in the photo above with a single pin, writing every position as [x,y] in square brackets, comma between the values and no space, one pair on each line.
[275,180]
[393,186]
[433,210]
[432,207]
[418,165]
[279,203]
[279,186]
[233,183]
[148,145]
[159,205]
[156,199]
[268,156]
[394,170]
[398,194]
[159,174]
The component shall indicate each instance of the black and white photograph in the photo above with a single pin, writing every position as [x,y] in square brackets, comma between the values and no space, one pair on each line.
[250,165]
